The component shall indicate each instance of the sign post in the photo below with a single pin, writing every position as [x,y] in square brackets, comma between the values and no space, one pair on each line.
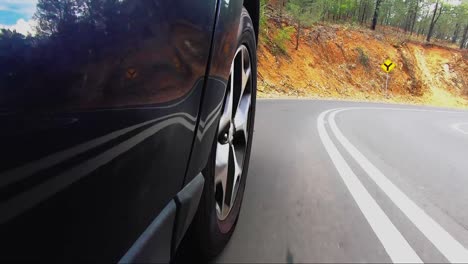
[387,67]
[386,86]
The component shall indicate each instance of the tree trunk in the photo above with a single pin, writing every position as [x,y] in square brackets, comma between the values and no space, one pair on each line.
[364,13]
[435,17]
[455,33]
[387,18]
[281,12]
[415,17]
[298,34]
[408,17]
[422,26]
[376,14]
[406,25]
[339,10]
[356,10]
[464,38]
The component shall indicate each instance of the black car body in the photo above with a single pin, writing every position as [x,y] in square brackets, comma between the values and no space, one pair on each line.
[108,113]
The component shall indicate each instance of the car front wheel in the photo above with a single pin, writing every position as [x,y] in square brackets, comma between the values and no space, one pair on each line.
[226,172]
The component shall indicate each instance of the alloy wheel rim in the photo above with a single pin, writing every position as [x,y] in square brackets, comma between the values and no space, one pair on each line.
[233,133]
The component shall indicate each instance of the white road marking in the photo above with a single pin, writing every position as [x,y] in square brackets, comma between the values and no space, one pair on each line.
[458,127]
[442,240]
[392,240]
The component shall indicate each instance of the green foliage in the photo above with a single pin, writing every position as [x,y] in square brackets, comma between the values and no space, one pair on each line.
[411,16]
[304,12]
[263,18]
[281,37]
[263,21]
[363,58]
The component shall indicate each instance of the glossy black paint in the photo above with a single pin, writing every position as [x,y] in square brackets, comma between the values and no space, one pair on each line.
[98,115]
[225,43]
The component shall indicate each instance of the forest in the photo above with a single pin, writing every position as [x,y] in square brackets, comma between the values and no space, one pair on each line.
[445,20]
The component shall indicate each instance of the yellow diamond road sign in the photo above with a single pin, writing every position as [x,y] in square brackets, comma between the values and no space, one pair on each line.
[388,66]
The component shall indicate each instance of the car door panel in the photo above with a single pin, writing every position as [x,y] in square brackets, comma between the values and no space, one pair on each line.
[98,110]
[224,47]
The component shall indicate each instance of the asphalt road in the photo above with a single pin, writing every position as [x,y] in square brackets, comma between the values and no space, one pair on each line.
[368,183]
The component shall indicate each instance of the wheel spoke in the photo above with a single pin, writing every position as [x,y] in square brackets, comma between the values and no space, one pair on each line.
[242,117]
[241,76]
[226,117]
[246,70]
[221,173]
[236,170]
[243,107]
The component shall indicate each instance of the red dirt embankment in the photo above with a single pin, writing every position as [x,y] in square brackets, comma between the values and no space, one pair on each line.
[344,62]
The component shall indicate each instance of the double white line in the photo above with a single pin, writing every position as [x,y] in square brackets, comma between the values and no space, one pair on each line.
[392,240]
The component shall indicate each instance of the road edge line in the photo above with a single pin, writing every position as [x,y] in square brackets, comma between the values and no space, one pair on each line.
[439,237]
[396,246]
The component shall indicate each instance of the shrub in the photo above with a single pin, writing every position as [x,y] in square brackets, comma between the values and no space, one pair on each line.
[263,23]
[282,35]
[362,57]
[263,18]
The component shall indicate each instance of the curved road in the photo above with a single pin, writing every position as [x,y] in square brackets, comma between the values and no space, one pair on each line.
[354,182]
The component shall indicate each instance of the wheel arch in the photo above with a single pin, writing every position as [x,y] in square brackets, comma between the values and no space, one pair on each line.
[253,7]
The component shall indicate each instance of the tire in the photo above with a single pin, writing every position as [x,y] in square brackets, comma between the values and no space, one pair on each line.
[210,234]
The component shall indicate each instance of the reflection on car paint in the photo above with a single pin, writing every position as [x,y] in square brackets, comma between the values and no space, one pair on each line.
[98,111]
